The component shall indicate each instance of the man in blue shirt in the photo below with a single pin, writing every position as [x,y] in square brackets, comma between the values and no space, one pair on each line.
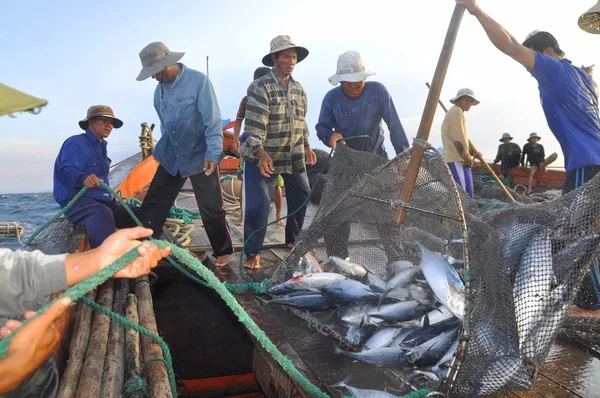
[191,145]
[357,108]
[83,161]
[570,103]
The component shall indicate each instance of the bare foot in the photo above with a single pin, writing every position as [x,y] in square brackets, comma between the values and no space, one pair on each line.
[581,313]
[222,261]
[240,222]
[290,245]
[253,263]
[281,222]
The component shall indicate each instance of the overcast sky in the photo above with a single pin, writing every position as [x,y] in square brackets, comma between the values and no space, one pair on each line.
[76,54]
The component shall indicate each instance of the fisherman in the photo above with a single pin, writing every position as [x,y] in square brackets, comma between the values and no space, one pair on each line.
[237,140]
[509,154]
[190,146]
[27,281]
[356,108]
[455,139]
[83,162]
[536,158]
[570,103]
[277,143]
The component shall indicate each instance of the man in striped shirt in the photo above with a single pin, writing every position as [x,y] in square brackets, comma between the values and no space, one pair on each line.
[277,143]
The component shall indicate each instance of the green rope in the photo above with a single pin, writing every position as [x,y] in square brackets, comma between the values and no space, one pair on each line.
[188,216]
[148,362]
[168,361]
[135,386]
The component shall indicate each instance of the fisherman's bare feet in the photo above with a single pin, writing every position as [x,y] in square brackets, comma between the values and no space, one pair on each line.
[290,245]
[253,263]
[577,312]
[240,222]
[222,261]
[281,222]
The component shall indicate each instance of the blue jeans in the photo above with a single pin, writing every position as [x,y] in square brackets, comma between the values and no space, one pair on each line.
[258,192]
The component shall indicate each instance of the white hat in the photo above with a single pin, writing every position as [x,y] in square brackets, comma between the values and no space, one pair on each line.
[533,135]
[156,57]
[465,92]
[350,68]
[280,43]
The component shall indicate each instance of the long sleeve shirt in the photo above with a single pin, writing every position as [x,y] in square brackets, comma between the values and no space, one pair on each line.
[276,123]
[504,150]
[535,154]
[190,123]
[352,117]
[454,129]
[27,279]
[80,156]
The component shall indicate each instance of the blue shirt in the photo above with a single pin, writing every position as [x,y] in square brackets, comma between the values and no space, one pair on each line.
[571,107]
[362,116]
[80,156]
[190,123]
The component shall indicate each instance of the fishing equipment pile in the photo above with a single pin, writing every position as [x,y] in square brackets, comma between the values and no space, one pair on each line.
[521,266]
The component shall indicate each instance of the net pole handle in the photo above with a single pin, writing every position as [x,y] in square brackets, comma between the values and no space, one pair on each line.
[429,112]
[484,164]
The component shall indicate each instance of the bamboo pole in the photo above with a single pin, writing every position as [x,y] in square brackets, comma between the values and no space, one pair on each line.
[90,383]
[132,340]
[114,365]
[429,112]
[79,344]
[484,164]
[156,373]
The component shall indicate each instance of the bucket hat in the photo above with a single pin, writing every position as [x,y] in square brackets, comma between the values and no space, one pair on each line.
[465,92]
[156,57]
[590,20]
[97,111]
[350,68]
[280,43]
[505,136]
[533,135]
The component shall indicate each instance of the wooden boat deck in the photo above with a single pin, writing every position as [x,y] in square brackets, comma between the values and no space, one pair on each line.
[569,371]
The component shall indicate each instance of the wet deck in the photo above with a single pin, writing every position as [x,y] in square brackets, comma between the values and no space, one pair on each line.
[569,371]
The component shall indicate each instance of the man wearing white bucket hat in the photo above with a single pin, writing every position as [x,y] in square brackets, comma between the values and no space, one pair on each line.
[508,154]
[276,143]
[358,108]
[570,103]
[536,157]
[455,139]
[190,146]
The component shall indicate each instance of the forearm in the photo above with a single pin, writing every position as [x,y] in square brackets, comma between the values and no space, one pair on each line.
[11,378]
[499,36]
[237,127]
[80,266]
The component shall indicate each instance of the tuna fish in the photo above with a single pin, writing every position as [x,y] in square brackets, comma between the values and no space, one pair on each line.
[315,302]
[350,291]
[347,268]
[378,357]
[314,282]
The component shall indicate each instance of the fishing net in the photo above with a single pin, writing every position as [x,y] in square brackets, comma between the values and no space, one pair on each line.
[522,265]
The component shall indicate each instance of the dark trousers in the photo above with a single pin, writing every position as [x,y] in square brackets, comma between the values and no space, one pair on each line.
[508,163]
[258,192]
[588,296]
[98,218]
[162,193]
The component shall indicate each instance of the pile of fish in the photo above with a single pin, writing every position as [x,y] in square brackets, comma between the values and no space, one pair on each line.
[412,320]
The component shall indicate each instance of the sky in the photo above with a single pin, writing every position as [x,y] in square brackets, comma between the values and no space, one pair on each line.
[76,54]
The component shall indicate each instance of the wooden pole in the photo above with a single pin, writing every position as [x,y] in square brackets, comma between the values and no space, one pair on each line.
[429,112]
[78,348]
[132,339]
[484,164]
[90,384]
[114,365]
[156,372]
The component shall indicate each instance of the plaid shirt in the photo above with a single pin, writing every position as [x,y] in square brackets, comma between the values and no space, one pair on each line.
[276,122]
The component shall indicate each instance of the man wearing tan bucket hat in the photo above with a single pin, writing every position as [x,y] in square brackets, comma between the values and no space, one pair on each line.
[190,146]
[534,154]
[277,143]
[570,102]
[83,162]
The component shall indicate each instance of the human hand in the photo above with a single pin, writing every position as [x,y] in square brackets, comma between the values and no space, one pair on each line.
[236,144]
[588,69]
[123,241]
[31,346]
[92,181]
[265,164]
[311,156]
[467,160]
[470,5]
[210,167]
[334,139]
[478,155]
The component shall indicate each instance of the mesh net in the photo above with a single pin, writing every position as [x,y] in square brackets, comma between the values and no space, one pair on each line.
[522,266]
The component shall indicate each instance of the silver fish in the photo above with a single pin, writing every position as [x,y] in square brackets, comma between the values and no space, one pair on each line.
[382,338]
[306,301]
[499,373]
[400,265]
[279,289]
[347,268]
[398,340]
[378,357]
[532,284]
[443,279]
[403,278]
[314,282]
[350,291]
[359,334]
[433,349]
[447,357]
[574,256]
[435,316]
[310,264]
[398,312]
[364,393]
